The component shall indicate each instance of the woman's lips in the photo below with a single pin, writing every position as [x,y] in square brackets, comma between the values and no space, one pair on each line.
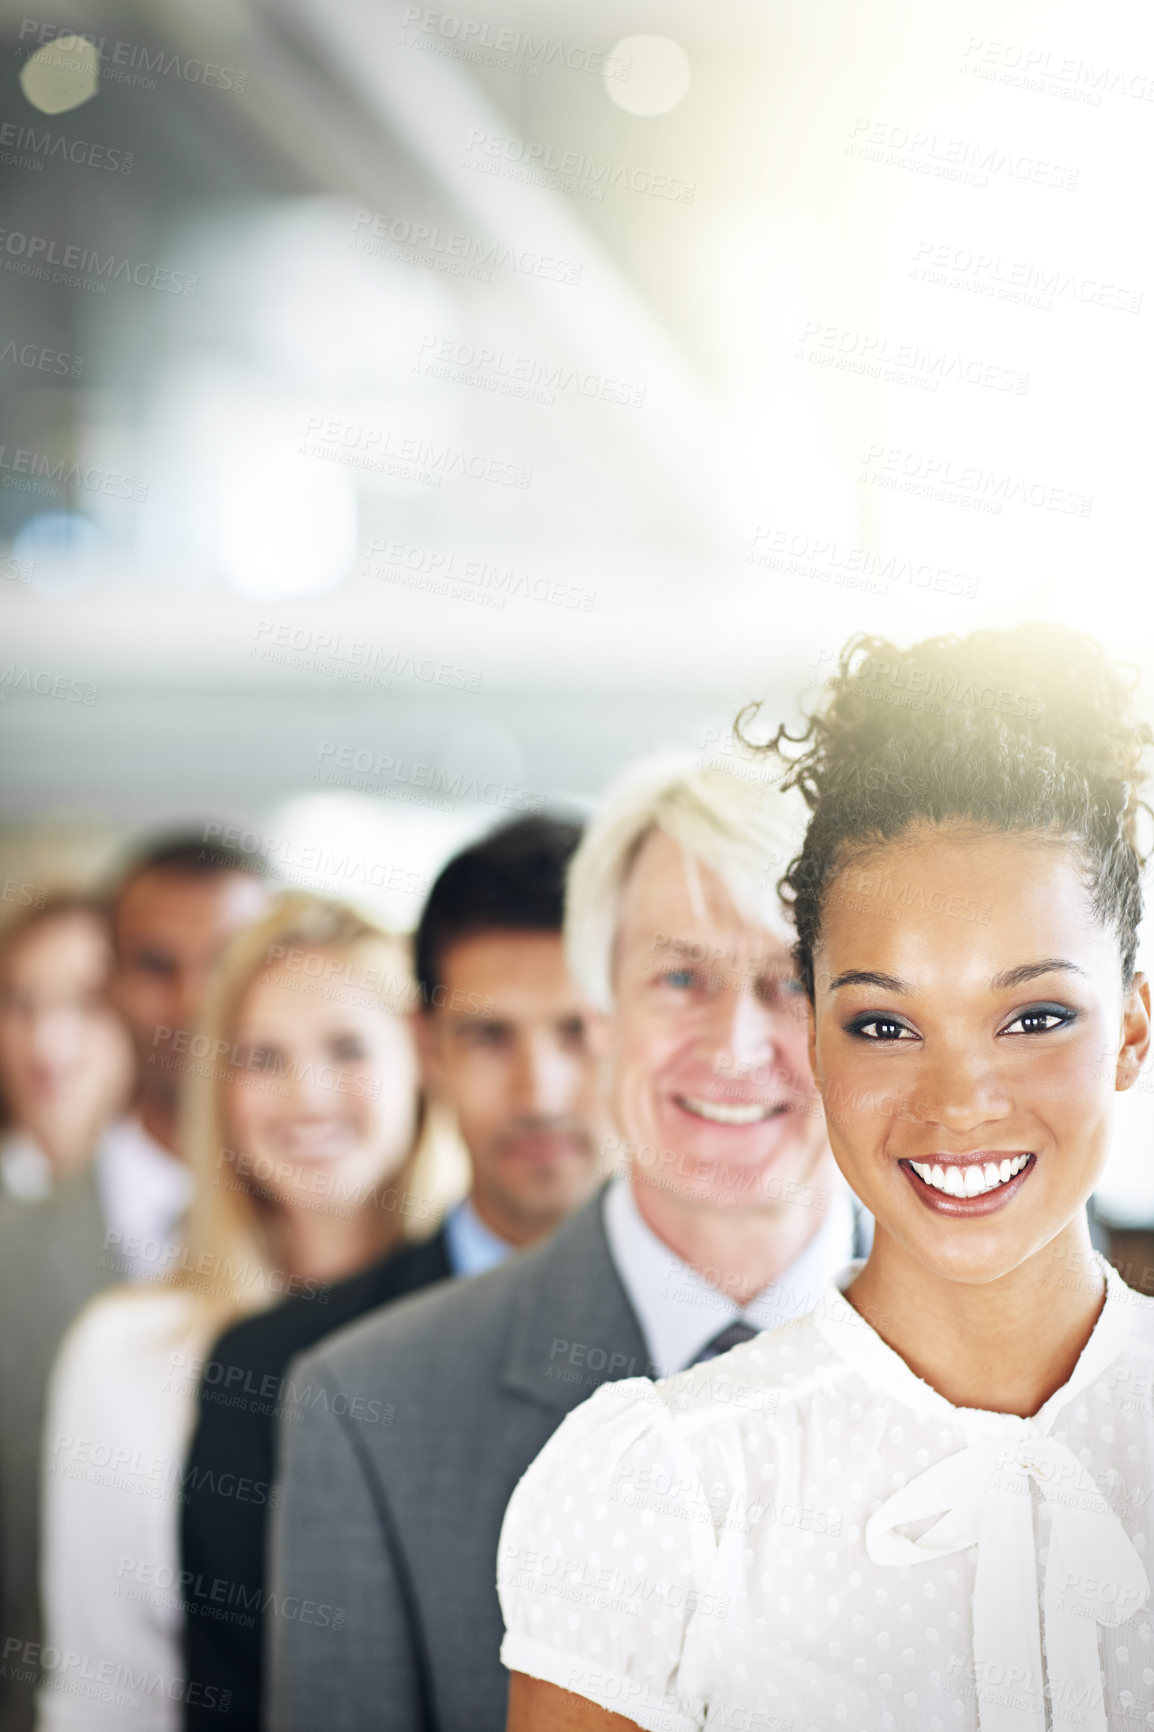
[317,1142]
[953,1188]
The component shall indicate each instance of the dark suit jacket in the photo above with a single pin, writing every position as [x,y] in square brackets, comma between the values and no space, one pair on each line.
[407,1437]
[223,1523]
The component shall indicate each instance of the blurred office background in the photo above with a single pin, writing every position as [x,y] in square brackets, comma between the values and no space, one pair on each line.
[410,415]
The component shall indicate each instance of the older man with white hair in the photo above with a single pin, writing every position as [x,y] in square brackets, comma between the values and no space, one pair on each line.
[725,1215]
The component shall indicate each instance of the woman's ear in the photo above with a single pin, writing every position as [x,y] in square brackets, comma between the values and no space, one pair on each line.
[1135,1034]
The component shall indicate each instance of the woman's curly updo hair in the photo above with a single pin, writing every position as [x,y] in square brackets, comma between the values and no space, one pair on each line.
[1022,731]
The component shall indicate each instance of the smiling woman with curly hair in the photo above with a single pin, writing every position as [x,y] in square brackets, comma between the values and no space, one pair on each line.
[925,1506]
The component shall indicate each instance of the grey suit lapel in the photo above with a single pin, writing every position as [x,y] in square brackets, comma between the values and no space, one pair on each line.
[574,1327]
[80,1225]
[55,1251]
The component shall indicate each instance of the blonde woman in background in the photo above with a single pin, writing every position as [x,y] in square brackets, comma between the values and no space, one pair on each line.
[65,1056]
[301,1121]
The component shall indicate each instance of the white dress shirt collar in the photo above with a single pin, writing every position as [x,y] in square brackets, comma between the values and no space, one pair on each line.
[25,1170]
[981,1497]
[144,1191]
[858,1342]
[680,1311]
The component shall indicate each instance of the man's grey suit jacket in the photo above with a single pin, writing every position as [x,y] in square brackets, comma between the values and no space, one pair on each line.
[409,1432]
[53,1258]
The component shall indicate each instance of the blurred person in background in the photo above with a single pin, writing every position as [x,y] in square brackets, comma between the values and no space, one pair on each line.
[727,1215]
[175,907]
[65,1059]
[171,920]
[299,1128]
[502,1037]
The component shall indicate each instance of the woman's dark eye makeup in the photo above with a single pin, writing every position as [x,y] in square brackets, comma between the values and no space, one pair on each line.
[884,1028]
[1034,1019]
[1041,1018]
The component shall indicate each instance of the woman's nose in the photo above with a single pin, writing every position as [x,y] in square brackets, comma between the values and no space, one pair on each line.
[960,1094]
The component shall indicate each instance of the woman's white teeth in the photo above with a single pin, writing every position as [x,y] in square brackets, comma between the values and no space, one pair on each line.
[972,1181]
[722,1113]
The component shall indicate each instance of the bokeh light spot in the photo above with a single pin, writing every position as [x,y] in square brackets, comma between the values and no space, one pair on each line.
[61,74]
[658,77]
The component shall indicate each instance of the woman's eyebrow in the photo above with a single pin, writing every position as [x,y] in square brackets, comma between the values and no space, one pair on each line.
[1031,970]
[865,977]
[1026,971]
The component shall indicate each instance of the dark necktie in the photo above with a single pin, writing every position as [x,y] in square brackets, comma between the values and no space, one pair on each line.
[731,1336]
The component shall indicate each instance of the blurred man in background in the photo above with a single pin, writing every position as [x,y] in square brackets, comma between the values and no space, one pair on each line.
[502,1035]
[728,1216]
[172,913]
[504,1048]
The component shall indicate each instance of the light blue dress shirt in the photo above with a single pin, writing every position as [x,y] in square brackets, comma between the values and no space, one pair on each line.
[680,1311]
[472,1246]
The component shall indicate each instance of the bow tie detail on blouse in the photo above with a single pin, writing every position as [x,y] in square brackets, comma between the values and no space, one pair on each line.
[982,1496]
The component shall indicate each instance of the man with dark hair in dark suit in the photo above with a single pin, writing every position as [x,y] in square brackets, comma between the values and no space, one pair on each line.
[503,1046]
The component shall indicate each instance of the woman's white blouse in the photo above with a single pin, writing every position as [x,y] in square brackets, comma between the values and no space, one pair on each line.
[120,1414]
[802,1536]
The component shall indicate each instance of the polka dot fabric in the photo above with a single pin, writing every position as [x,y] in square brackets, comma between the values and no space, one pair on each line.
[743,1546]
